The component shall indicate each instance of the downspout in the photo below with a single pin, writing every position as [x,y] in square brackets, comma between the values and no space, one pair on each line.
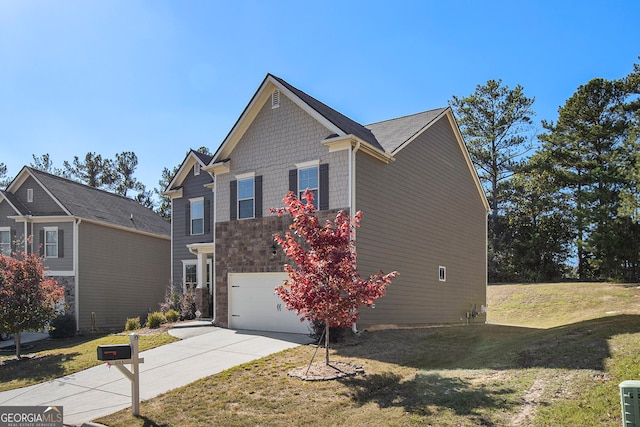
[352,196]
[171,249]
[213,256]
[76,252]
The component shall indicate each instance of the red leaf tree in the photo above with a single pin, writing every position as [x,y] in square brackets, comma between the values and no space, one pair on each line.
[324,284]
[28,300]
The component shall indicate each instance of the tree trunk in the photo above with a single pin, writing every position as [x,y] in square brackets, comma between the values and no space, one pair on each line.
[16,340]
[326,343]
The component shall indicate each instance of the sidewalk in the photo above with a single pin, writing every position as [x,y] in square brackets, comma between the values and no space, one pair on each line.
[102,390]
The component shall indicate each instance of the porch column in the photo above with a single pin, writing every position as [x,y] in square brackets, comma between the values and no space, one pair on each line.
[201,270]
[202,293]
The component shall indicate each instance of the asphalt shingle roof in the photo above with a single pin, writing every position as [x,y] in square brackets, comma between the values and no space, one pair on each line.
[340,120]
[395,132]
[98,205]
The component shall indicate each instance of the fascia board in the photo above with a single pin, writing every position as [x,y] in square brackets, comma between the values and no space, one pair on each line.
[344,142]
[46,190]
[186,165]
[4,199]
[467,157]
[421,131]
[119,227]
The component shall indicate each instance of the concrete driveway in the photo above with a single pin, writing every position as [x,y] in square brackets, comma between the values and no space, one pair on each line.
[102,390]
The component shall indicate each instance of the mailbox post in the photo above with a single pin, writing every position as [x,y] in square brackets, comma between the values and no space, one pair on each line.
[123,354]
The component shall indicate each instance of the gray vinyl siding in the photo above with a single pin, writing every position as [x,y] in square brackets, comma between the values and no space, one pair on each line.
[42,204]
[64,262]
[276,140]
[192,187]
[16,228]
[120,275]
[420,212]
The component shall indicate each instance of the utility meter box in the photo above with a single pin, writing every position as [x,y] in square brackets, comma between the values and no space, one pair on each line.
[630,402]
[114,352]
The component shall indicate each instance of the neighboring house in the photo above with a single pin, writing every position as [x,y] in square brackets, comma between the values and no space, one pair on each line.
[424,210]
[111,254]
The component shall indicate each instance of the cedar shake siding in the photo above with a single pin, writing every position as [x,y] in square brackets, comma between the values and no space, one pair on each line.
[422,211]
[120,275]
[274,143]
[192,187]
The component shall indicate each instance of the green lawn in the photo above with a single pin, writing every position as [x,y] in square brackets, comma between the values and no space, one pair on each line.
[553,355]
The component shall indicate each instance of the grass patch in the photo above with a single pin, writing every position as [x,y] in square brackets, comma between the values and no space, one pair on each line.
[563,373]
[49,358]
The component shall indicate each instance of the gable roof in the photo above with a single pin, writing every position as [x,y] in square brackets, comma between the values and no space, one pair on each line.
[343,122]
[190,159]
[394,133]
[15,204]
[95,205]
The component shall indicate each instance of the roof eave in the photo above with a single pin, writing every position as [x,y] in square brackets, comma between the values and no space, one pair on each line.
[341,142]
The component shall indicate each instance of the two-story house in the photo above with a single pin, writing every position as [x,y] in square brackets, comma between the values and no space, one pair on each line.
[111,254]
[424,210]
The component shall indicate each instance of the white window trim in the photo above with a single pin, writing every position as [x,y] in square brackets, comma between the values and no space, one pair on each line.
[308,164]
[194,262]
[246,175]
[46,229]
[191,202]
[185,263]
[29,195]
[442,273]
[243,177]
[6,229]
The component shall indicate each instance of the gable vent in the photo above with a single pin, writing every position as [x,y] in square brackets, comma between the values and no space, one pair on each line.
[275,99]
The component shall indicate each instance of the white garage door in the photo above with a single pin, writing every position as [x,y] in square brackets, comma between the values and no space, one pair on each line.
[254,305]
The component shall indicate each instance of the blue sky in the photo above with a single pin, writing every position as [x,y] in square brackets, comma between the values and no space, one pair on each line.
[160,77]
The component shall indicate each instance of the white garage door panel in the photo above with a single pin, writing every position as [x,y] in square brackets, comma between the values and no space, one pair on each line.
[254,305]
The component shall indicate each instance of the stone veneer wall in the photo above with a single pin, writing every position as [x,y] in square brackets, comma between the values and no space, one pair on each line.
[246,246]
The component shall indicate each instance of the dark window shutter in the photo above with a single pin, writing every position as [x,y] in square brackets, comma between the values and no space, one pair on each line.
[257,183]
[41,235]
[187,219]
[207,216]
[324,187]
[60,243]
[293,181]
[14,245]
[233,200]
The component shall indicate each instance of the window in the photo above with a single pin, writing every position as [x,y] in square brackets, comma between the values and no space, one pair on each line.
[190,274]
[51,242]
[442,274]
[5,241]
[246,198]
[314,176]
[196,169]
[29,195]
[197,216]
[308,179]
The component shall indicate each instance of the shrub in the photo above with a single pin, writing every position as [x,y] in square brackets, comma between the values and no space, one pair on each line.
[172,315]
[155,319]
[63,326]
[171,299]
[335,334]
[188,305]
[132,324]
